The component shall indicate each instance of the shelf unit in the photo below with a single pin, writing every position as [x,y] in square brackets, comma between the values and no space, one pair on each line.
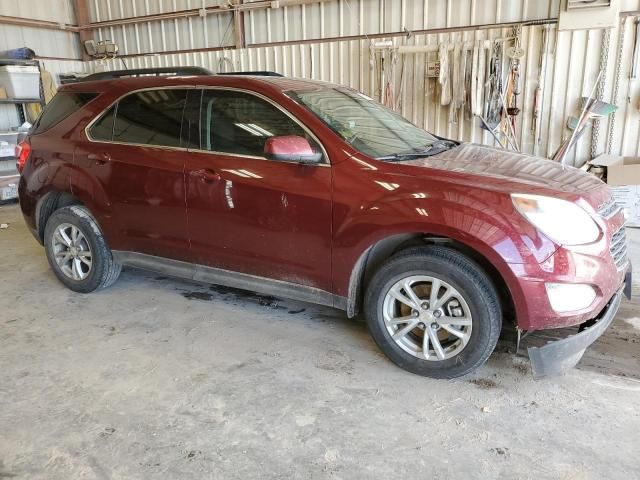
[8,174]
[19,102]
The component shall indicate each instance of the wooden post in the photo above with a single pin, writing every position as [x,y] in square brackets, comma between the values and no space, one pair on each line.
[82,18]
[238,26]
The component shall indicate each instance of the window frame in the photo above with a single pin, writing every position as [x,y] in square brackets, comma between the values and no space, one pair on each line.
[114,105]
[326,162]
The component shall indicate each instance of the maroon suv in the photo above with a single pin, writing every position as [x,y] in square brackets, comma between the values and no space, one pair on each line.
[315,192]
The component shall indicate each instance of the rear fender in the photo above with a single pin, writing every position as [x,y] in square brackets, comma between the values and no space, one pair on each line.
[93,195]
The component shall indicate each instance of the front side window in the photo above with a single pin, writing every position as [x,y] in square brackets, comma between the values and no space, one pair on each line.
[365,124]
[240,123]
[149,117]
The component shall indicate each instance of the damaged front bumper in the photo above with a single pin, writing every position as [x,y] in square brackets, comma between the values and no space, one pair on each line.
[557,357]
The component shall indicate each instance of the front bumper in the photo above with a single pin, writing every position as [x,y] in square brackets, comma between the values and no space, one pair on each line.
[557,357]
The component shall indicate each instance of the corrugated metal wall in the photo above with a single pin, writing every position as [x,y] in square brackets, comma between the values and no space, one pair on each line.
[300,22]
[572,63]
[46,43]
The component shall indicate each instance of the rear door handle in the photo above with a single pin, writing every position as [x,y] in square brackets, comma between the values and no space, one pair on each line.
[99,158]
[206,175]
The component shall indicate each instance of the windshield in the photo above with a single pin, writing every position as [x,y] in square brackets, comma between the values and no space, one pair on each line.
[365,124]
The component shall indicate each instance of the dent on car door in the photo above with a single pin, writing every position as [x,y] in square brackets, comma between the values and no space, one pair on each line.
[249,214]
[135,162]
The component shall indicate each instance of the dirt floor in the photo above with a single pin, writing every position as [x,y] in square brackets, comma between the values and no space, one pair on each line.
[156,378]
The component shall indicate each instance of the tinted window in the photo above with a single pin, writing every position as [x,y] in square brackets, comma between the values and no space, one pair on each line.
[60,107]
[151,117]
[103,128]
[241,123]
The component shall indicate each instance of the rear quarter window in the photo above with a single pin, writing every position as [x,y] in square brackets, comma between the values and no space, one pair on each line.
[60,107]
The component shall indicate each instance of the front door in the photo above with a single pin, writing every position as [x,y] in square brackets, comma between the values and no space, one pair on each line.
[246,213]
[134,156]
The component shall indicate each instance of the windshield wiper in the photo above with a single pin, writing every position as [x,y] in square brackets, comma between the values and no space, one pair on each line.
[434,148]
[402,156]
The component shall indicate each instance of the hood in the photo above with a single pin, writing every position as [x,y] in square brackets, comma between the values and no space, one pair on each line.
[503,168]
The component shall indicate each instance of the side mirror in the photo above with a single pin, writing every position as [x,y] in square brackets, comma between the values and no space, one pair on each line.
[290,148]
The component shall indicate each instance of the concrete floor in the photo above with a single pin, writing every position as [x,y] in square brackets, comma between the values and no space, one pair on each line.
[157,378]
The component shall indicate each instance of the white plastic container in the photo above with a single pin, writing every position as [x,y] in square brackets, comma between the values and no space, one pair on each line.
[8,141]
[20,81]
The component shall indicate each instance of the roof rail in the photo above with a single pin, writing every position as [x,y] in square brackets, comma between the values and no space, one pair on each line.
[262,73]
[147,71]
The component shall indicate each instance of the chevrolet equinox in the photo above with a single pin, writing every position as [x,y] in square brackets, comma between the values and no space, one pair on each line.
[313,191]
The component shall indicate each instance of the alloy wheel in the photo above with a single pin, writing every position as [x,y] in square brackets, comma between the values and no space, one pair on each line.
[427,317]
[71,251]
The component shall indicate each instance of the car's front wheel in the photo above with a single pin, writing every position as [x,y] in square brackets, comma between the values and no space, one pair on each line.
[434,312]
[78,252]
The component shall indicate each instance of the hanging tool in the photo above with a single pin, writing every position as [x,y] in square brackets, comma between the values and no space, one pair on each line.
[468,72]
[573,122]
[481,76]
[539,93]
[603,67]
[474,78]
[515,53]
[445,84]
[493,112]
[636,50]
[486,126]
[457,95]
[561,153]
[510,134]
[616,82]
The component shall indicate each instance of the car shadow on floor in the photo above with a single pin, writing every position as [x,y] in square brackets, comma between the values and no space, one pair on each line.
[617,352]
[258,303]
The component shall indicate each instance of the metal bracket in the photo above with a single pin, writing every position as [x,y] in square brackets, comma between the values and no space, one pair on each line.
[521,335]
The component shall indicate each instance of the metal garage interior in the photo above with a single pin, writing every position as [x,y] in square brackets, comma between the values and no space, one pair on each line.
[165,378]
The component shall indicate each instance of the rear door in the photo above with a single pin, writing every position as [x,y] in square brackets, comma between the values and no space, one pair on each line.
[135,159]
[246,213]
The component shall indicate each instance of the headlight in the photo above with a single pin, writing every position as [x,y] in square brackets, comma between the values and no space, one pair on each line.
[560,220]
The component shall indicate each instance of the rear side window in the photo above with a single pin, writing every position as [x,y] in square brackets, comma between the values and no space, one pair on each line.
[60,107]
[151,117]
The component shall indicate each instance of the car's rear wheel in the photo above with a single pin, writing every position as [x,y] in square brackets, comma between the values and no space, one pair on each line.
[434,312]
[78,252]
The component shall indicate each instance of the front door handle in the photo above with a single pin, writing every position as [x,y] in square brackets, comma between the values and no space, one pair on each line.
[206,175]
[99,158]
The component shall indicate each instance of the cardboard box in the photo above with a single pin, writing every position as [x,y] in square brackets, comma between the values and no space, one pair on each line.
[3,93]
[623,176]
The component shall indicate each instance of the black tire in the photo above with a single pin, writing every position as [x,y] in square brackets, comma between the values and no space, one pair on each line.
[104,270]
[464,275]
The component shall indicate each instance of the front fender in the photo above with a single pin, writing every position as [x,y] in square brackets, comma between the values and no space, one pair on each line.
[483,221]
